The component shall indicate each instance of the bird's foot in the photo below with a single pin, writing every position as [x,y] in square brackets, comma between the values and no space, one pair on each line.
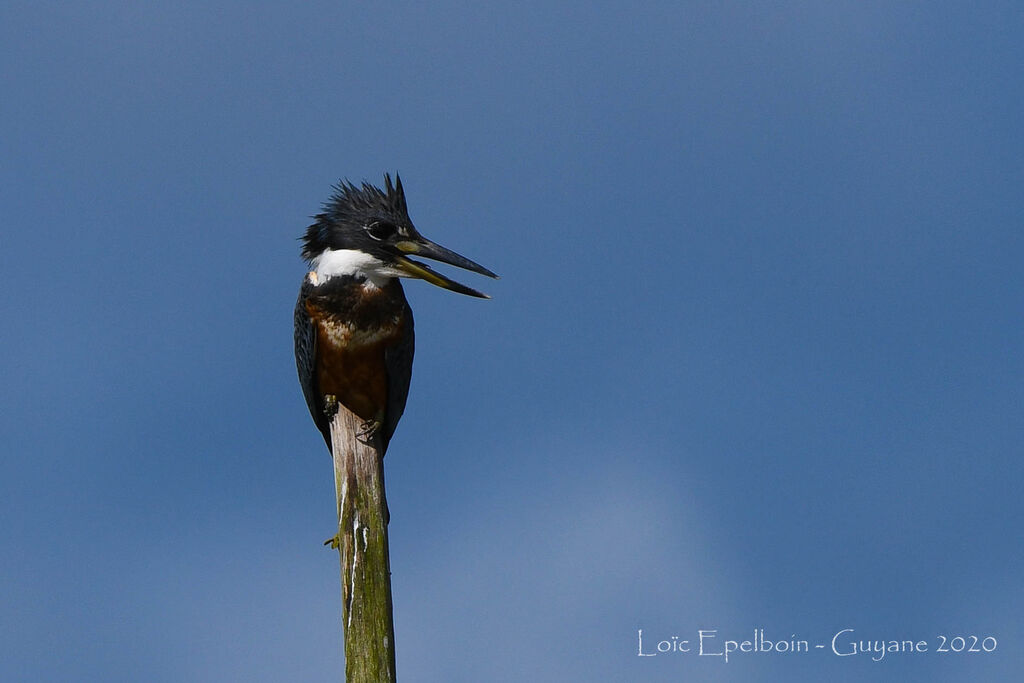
[334,541]
[330,406]
[368,430]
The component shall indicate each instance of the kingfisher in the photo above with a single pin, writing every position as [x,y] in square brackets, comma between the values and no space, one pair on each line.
[353,325]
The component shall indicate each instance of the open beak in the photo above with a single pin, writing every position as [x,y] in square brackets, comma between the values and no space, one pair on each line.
[427,249]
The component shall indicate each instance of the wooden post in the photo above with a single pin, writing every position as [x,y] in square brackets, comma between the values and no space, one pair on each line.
[362,542]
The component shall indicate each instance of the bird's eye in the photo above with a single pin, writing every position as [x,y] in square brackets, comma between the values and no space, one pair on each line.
[380,230]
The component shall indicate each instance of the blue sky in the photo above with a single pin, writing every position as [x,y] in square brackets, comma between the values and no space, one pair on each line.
[754,360]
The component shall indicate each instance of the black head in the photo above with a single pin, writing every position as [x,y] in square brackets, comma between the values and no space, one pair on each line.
[358,218]
[376,222]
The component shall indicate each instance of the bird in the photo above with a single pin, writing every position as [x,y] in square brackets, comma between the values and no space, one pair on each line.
[354,339]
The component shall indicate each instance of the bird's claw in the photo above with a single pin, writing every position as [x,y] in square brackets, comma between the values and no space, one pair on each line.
[368,430]
[330,406]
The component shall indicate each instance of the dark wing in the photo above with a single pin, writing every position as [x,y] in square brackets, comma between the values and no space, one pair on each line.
[305,362]
[398,359]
